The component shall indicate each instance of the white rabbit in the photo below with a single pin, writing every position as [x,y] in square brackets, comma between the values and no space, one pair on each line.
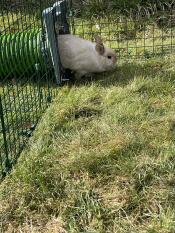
[85,57]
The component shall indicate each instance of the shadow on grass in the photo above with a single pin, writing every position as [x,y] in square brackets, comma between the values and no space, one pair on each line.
[121,76]
[126,72]
[117,161]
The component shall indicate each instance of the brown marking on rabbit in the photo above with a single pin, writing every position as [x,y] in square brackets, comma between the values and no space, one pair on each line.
[99,45]
[85,57]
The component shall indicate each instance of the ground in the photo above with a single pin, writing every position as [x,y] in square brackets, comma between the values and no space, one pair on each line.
[101,159]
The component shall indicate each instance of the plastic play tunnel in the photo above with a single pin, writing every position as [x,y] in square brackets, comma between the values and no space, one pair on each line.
[20,53]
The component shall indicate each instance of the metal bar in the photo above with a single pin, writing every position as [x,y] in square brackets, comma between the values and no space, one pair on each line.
[51,37]
[60,12]
[7,161]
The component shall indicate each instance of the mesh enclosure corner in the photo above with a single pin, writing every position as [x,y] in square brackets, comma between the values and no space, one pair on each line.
[27,78]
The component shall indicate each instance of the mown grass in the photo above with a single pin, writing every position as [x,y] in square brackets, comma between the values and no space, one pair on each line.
[101,159]
[23,104]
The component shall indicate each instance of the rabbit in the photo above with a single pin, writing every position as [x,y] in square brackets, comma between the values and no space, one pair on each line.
[84,57]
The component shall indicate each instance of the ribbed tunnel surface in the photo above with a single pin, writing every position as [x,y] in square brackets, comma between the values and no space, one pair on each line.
[21,52]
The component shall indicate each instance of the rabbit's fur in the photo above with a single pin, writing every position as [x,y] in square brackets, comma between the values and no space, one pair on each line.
[85,57]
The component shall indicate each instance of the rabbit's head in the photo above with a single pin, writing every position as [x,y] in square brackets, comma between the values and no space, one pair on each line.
[107,56]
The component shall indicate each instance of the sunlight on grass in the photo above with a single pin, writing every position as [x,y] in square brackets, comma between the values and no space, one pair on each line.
[101,159]
[11,22]
[130,38]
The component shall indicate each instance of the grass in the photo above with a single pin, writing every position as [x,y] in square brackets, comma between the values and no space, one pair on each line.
[95,7]
[131,38]
[24,101]
[23,105]
[25,90]
[101,159]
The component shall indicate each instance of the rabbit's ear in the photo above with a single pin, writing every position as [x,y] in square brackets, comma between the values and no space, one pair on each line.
[100,49]
[99,45]
[98,39]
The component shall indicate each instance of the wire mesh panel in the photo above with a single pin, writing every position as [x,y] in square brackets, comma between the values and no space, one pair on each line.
[134,35]
[27,81]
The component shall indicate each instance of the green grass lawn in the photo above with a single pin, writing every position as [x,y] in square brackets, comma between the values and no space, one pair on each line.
[23,105]
[101,159]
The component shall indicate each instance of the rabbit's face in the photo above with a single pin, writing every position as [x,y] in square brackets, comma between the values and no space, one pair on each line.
[108,57]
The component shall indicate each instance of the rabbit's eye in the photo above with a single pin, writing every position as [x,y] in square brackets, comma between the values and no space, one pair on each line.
[109,57]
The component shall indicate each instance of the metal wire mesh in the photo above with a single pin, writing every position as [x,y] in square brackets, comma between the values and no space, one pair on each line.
[26,86]
[135,35]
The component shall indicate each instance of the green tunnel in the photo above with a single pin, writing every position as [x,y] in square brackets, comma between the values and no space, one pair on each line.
[21,53]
